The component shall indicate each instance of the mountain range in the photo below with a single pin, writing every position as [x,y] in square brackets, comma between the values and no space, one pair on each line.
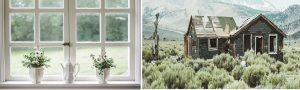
[175,15]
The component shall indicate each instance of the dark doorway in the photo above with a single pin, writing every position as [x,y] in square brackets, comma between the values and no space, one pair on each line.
[273,44]
[259,44]
[247,42]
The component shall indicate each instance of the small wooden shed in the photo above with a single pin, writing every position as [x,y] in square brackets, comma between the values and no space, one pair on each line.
[207,36]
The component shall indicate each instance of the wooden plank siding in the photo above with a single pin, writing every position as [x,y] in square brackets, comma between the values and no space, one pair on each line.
[205,53]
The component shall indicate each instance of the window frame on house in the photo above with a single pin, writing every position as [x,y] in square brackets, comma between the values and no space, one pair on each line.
[210,48]
[244,41]
[69,11]
[275,46]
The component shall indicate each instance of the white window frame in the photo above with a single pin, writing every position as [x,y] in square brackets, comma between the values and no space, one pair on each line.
[213,48]
[37,12]
[276,44]
[103,43]
[134,35]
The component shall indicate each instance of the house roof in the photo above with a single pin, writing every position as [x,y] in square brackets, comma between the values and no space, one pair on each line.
[253,19]
[212,26]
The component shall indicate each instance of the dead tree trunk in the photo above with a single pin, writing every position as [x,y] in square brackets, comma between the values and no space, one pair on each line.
[232,50]
[155,44]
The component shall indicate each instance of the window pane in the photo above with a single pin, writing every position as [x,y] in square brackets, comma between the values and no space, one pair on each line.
[87,4]
[120,56]
[22,3]
[88,27]
[83,58]
[51,27]
[17,56]
[213,43]
[116,27]
[22,27]
[272,43]
[56,54]
[51,3]
[116,3]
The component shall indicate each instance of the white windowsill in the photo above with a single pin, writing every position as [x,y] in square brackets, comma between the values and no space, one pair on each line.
[212,49]
[76,84]
[272,53]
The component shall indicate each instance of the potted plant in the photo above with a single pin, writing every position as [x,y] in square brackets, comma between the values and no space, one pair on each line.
[102,65]
[36,61]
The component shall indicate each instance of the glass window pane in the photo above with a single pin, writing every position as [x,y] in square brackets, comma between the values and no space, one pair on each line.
[22,3]
[51,25]
[17,56]
[87,4]
[116,3]
[116,27]
[272,43]
[213,43]
[51,3]
[120,56]
[56,54]
[83,58]
[22,27]
[88,27]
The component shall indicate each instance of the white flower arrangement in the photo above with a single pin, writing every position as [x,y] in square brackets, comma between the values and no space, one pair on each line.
[102,62]
[36,59]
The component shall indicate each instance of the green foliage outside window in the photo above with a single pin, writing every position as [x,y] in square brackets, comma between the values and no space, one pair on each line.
[22,27]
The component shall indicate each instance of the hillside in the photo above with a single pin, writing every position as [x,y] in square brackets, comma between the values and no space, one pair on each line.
[288,20]
[176,14]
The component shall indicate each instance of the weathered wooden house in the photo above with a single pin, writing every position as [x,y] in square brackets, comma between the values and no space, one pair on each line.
[208,36]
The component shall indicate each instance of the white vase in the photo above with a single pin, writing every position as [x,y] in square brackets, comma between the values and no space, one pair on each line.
[103,78]
[36,75]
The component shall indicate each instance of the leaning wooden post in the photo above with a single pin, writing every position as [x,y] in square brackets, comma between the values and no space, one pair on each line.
[155,36]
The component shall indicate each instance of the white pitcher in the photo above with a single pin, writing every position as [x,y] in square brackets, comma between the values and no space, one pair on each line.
[69,71]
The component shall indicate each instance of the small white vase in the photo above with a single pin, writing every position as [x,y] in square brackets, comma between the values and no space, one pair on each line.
[103,78]
[36,75]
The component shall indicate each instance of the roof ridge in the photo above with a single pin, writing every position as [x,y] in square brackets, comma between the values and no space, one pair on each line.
[250,20]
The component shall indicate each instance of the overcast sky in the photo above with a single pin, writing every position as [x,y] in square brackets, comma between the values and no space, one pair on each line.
[283,4]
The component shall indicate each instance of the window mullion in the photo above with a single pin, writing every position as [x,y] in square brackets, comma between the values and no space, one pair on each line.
[72,30]
[1,42]
[7,41]
[118,10]
[137,6]
[131,34]
[102,25]
[66,31]
[21,10]
[37,23]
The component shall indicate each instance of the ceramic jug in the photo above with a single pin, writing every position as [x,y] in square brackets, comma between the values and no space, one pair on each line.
[69,69]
